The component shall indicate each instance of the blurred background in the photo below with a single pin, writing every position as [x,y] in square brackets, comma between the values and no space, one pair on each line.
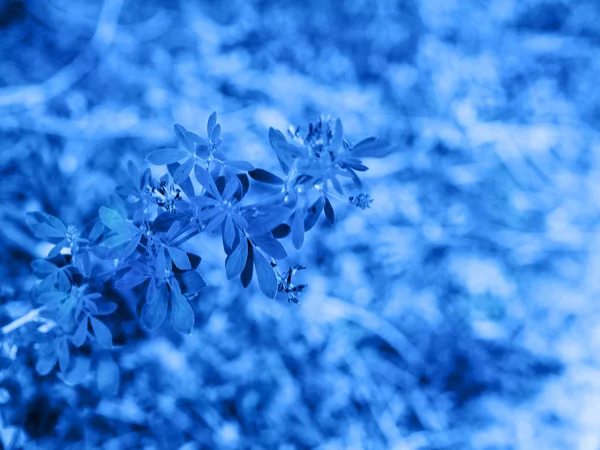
[459,312]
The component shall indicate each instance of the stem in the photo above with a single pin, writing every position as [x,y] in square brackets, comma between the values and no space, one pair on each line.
[31,316]
[185,230]
[183,239]
[277,197]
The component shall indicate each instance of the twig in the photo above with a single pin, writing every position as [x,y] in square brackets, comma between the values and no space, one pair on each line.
[31,316]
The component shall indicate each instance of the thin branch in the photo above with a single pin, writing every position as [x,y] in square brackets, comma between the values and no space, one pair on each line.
[31,316]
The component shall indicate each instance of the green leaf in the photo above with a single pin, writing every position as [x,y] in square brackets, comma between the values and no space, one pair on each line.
[166,156]
[183,171]
[77,373]
[372,147]
[192,282]
[182,137]
[116,240]
[182,314]
[46,361]
[153,314]
[265,176]
[329,213]
[210,126]
[80,334]
[267,280]
[237,260]
[42,267]
[102,333]
[43,231]
[180,258]
[207,182]
[111,218]
[298,229]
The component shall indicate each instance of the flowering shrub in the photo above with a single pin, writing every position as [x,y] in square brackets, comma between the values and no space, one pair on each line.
[135,245]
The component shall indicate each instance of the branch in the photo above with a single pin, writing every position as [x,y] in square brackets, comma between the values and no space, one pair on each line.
[31,316]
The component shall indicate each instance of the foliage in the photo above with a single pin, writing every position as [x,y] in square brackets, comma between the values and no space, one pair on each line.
[136,242]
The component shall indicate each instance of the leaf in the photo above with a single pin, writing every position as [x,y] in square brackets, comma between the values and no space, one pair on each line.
[46,361]
[298,229]
[228,231]
[265,176]
[193,137]
[165,220]
[115,202]
[270,246]
[187,187]
[77,373]
[111,218]
[276,138]
[285,151]
[182,314]
[267,280]
[108,376]
[180,258]
[372,147]
[240,221]
[281,231]
[182,136]
[160,264]
[337,185]
[210,125]
[240,165]
[78,338]
[245,181]
[215,222]
[246,275]
[102,333]
[52,299]
[116,240]
[216,133]
[105,308]
[153,314]
[43,231]
[63,281]
[173,230]
[329,213]
[43,267]
[130,247]
[63,355]
[55,223]
[130,280]
[192,282]
[151,292]
[55,251]
[166,156]
[230,188]
[207,182]
[336,143]
[83,263]
[183,171]
[313,213]
[237,260]
[204,201]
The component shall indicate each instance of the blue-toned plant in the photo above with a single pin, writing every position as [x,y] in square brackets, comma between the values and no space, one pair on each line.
[134,249]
